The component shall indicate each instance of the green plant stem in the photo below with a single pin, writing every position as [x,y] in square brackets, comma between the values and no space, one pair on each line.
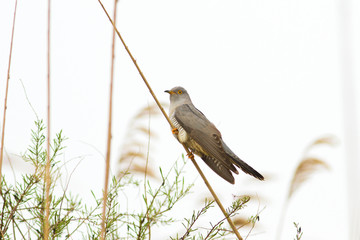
[172,126]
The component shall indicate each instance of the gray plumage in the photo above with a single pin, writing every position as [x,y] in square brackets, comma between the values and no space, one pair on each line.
[203,138]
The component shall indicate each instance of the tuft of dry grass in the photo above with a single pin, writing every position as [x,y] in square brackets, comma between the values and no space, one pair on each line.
[240,221]
[309,165]
[330,140]
[306,168]
[134,151]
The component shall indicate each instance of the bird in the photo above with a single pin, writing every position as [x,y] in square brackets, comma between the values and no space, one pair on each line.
[197,133]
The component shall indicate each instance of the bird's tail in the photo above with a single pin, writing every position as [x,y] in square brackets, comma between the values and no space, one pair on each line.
[246,168]
[241,164]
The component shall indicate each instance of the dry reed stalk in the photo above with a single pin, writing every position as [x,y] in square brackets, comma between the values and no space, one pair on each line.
[108,149]
[306,168]
[191,156]
[47,165]
[132,158]
[6,96]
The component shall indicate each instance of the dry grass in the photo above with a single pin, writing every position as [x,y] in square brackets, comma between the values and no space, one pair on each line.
[309,165]
[134,156]
[304,171]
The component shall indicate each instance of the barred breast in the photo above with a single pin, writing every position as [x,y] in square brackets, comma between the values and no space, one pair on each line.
[182,136]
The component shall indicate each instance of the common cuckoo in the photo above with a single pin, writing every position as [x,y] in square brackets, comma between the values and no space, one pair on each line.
[201,136]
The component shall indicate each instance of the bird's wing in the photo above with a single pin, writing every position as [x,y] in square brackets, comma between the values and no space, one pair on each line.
[219,168]
[202,131]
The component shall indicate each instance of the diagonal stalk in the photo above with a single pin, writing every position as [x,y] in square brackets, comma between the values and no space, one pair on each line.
[172,126]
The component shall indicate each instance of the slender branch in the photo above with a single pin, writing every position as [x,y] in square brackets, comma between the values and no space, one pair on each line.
[6,96]
[172,126]
[18,202]
[108,150]
[195,218]
[47,165]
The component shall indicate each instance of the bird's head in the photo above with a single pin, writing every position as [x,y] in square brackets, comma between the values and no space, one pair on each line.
[178,96]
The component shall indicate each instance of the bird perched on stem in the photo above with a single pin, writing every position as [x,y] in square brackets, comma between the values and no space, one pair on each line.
[201,136]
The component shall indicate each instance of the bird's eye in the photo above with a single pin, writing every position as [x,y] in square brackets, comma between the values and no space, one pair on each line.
[179,92]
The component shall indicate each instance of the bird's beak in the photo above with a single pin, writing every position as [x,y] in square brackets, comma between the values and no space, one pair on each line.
[169,92]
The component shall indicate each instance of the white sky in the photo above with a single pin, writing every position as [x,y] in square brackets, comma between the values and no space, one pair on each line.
[267,73]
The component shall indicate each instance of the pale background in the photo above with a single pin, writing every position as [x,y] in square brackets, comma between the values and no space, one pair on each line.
[271,75]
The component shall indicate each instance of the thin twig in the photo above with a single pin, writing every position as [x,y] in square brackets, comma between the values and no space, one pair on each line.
[6,96]
[18,202]
[172,126]
[255,218]
[27,99]
[47,166]
[108,150]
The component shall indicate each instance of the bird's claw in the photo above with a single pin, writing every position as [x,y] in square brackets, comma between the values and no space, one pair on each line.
[190,155]
[175,131]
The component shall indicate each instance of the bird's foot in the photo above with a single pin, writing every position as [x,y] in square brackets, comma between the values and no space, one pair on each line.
[190,155]
[175,131]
